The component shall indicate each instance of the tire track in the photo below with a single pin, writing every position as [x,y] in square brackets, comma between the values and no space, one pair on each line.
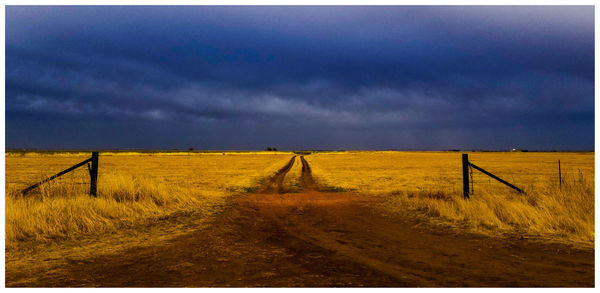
[308,183]
[275,183]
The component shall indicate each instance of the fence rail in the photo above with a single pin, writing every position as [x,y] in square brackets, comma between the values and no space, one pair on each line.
[465,167]
[93,170]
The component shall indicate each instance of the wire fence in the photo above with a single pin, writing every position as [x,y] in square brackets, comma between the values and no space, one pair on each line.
[75,178]
[404,170]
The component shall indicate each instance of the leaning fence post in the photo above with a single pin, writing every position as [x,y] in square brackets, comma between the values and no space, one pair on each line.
[465,169]
[94,174]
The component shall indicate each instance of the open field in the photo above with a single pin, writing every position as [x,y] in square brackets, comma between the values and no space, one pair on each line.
[431,183]
[133,189]
[348,219]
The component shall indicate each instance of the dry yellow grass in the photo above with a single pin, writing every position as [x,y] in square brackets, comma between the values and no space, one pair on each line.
[431,182]
[138,188]
[132,189]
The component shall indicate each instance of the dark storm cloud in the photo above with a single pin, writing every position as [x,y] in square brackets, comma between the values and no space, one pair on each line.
[300,77]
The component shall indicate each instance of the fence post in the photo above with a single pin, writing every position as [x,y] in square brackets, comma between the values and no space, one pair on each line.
[94,174]
[559,176]
[465,169]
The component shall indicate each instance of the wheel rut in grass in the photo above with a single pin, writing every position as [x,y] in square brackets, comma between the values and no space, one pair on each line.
[325,239]
[308,183]
[275,183]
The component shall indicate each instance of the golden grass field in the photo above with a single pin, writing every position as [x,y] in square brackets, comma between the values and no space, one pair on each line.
[431,183]
[137,188]
[133,188]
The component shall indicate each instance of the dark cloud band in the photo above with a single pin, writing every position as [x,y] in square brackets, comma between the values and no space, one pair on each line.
[301,77]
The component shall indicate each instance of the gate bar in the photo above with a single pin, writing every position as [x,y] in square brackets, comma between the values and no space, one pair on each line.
[93,159]
[496,177]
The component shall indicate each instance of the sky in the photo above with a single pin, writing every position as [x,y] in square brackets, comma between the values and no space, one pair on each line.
[300,77]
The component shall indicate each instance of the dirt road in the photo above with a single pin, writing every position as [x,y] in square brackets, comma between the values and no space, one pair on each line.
[275,184]
[324,239]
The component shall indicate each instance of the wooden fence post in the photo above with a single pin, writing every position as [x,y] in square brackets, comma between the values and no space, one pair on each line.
[94,174]
[465,169]
[559,176]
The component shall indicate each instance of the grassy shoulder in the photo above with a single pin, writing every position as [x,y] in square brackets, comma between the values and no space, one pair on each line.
[431,184]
